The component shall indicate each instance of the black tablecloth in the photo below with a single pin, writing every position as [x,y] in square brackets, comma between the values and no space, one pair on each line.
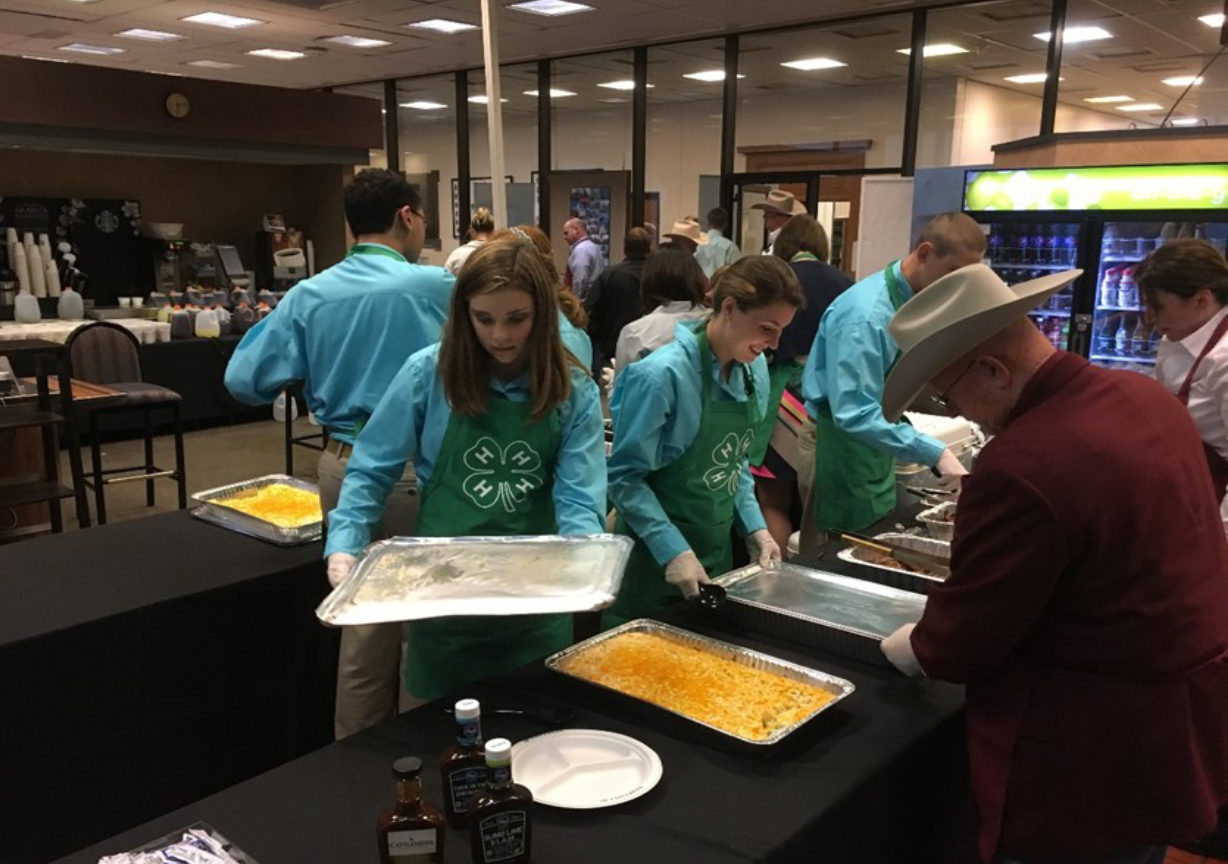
[146,664]
[879,778]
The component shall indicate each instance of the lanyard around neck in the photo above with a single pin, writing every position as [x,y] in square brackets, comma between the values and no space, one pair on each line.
[375,249]
[894,288]
[1184,393]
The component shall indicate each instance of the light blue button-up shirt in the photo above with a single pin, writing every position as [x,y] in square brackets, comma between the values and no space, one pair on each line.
[410,423]
[584,262]
[657,406]
[576,341]
[719,252]
[345,333]
[848,366]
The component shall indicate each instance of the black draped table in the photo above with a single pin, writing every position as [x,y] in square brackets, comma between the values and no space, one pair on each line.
[880,778]
[146,664]
[195,368]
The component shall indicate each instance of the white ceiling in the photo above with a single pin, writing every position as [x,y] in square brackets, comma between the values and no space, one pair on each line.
[1152,40]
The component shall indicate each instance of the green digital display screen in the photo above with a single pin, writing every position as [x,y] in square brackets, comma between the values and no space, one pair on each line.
[1132,187]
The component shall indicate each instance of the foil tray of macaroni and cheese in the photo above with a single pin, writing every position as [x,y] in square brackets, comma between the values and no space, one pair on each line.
[412,578]
[735,695]
[277,508]
[840,614]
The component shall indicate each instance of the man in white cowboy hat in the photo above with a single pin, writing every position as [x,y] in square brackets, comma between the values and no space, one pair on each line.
[686,234]
[847,475]
[779,207]
[1087,606]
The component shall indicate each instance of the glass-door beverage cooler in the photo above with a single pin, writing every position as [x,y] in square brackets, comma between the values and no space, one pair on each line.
[1104,220]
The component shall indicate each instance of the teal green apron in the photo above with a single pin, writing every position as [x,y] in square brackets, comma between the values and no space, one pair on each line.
[494,476]
[698,493]
[854,484]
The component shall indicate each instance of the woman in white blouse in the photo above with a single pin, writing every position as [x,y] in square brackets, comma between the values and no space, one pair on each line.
[673,288]
[1185,284]
[481,226]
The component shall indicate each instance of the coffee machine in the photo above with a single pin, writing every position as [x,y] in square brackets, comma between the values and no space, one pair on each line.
[281,259]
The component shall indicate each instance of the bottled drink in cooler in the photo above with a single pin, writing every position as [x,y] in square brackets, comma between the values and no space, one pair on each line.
[1039,244]
[1122,338]
[1139,342]
[1109,246]
[1053,245]
[1108,287]
[1127,291]
[1023,240]
[1070,244]
[993,244]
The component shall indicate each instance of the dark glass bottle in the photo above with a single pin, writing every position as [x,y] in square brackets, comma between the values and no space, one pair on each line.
[501,816]
[410,831]
[462,767]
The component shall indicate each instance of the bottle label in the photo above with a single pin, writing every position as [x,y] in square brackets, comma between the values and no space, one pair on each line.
[413,847]
[503,836]
[469,732]
[501,775]
[463,784]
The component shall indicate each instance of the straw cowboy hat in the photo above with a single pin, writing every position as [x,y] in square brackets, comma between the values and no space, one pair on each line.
[951,317]
[780,201]
[688,230]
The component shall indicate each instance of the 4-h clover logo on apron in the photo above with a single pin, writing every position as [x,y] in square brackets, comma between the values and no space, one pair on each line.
[501,475]
[727,462]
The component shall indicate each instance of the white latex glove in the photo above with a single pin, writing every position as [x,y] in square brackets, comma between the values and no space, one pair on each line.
[763,548]
[607,376]
[686,574]
[951,471]
[898,649]
[339,566]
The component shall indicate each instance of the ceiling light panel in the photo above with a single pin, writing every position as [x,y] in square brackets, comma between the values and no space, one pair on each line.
[83,48]
[1141,106]
[621,85]
[1108,100]
[214,64]
[814,64]
[356,41]
[277,54]
[554,94]
[1183,81]
[423,105]
[219,19]
[1186,121]
[938,49]
[1215,20]
[151,35]
[550,8]
[442,25]
[1074,35]
[482,99]
[1031,78]
[710,76]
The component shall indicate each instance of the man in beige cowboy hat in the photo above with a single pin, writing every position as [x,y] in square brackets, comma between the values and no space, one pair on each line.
[1087,606]
[779,207]
[686,234]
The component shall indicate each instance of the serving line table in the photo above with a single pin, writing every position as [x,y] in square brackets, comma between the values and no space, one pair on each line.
[54,330]
[879,778]
[146,664]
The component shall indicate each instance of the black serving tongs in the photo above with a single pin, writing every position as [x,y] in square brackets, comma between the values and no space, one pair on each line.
[935,564]
[943,494]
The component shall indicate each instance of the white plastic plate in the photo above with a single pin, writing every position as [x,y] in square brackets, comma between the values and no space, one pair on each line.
[584,769]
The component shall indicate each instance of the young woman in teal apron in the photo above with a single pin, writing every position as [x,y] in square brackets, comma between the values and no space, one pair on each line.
[684,418]
[506,433]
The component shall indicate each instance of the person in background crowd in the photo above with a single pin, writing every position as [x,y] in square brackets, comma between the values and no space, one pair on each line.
[855,447]
[574,318]
[481,226]
[778,208]
[1185,285]
[398,307]
[803,244]
[683,420]
[671,292]
[614,299]
[719,250]
[1087,606]
[584,260]
[499,393]
[686,235]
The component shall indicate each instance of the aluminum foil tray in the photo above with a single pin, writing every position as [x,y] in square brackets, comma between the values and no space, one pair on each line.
[412,578]
[838,687]
[939,528]
[890,576]
[840,614]
[211,510]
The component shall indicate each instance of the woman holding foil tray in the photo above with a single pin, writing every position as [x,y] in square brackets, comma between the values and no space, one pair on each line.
[504,426]
[684,419]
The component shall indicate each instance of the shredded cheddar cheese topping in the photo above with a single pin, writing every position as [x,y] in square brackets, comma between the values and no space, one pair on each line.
[284,506]
[749,703]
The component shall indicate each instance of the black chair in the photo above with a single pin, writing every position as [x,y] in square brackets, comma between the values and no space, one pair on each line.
[294,393]
[108,354]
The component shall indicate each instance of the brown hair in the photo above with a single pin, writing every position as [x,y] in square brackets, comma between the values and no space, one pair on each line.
[573,306]
[482,222]
[636,244]
[671,274]
[951,233]
[757,281]
[801,234]
[1184,267]
[465,366]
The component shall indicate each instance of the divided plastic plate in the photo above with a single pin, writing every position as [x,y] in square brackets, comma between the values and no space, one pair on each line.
[584,769]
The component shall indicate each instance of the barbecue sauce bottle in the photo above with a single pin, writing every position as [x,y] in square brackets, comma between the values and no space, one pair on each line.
[462,767]
[500,816]
[410,831]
